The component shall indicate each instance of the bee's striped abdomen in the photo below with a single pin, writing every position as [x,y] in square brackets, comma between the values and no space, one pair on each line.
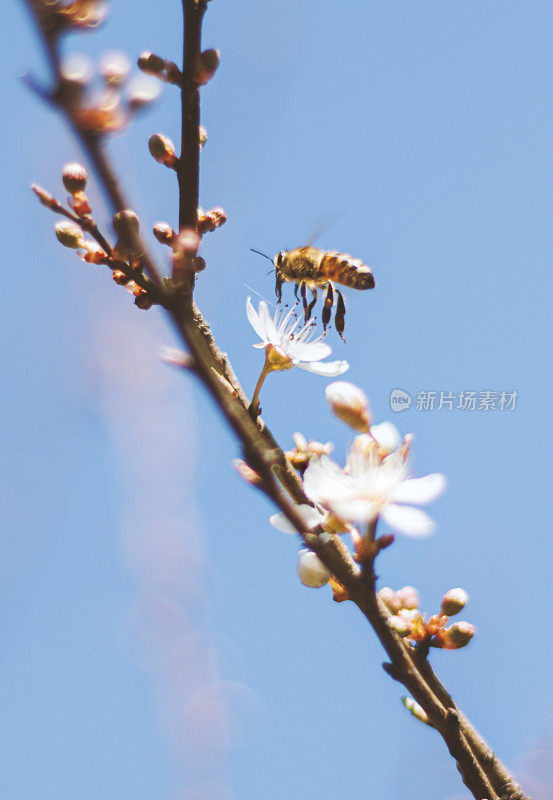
[347,271]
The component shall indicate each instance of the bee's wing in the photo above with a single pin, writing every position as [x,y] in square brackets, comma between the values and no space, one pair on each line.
[323,225]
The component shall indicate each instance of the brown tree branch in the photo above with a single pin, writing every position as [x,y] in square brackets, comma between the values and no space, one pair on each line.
[481,771]
[188,167]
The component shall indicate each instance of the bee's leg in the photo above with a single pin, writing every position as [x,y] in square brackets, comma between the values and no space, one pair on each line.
[312,303]
[296,287]
[340,314]
[278,289]
[303,289]
[327,307]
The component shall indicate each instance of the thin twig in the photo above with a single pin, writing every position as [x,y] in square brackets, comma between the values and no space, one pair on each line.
[188,166]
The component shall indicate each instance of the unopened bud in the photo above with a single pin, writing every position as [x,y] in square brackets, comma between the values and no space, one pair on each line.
[410,615]
[164,233]
[211,219]
[74,177]
[408,598]
[126,226]
[350,404]
[69,234]
[150,63]
[311,570]
[141,91]
[45,197]
[115,68]
[163,150]
[459,635]
[199,264]
[206,66]
[389,598]
[399,625]
[125,223]
[454,601]
[416,710]
[246,472]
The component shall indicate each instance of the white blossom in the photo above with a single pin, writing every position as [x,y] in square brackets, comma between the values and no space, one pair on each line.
[294,343]
[373,486]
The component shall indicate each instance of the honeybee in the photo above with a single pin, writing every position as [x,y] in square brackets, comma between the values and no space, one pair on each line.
[311,268]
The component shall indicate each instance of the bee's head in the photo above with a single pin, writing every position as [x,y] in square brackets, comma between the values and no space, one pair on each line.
[280,260]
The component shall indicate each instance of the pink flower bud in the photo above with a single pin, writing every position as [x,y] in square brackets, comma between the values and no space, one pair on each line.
[389,598]
[125,222]
[164,233]
[454,601]
[408,598]
[206,66]
[350,404]
[163,150]
[74,177]
[458,635]
[210,220]
[45,197]
[246,472]
[69,234]
[399,625]
[150,63]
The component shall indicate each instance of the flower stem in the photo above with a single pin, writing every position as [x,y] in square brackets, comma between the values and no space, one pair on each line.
[255,408]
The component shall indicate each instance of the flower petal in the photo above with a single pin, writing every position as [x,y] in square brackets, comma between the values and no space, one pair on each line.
[353,509]
[408,520]
[387,435]
[310,351]
[268,325]
[323,479]
[255,322]
[310,515]
[420,490]
[328,369]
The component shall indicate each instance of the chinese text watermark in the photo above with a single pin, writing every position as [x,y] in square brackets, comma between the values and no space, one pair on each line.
[462,400]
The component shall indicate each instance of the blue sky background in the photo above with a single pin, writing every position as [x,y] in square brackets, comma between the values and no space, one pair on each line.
[156,641]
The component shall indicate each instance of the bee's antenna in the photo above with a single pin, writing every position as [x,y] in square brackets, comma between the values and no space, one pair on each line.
[261,254]
[259,295]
